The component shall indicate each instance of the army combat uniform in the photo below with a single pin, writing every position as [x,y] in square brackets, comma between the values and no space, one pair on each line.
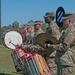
[64,55]
[49,55]
[29,38]
[39,31]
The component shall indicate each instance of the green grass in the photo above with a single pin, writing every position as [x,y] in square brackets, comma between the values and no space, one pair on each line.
[74,72]
[6,63]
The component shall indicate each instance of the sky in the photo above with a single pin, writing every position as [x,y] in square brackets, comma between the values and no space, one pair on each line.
[23,11]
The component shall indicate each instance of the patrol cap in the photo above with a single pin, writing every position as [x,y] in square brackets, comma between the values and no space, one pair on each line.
[25,26]
[49,14]
[38,22]
[30,26]
[69,15]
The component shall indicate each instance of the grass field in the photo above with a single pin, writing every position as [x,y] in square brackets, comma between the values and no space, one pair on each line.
[6,63]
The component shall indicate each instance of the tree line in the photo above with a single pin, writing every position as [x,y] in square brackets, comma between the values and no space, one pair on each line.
[15,25]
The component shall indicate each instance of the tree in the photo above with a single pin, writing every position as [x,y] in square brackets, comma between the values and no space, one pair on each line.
[31,22]
[15,25]
[10,26]
[3,29]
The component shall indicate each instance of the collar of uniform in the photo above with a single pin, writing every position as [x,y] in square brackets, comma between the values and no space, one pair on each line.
[37,32]
[40,29]
[69,28]
[51,23]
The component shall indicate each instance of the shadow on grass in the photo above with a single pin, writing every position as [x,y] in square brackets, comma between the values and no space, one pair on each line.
[4,74]
[11,74]
[17,73]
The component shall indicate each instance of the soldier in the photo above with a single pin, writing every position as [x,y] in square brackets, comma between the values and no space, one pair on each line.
[53,30]
[30,35]
[23,32]
[38,28]
[64,56]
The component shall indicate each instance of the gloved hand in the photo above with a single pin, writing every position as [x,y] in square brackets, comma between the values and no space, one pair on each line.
[47,45]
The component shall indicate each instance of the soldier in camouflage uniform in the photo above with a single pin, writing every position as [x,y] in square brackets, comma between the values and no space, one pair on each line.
[23,32]
[38,28]
[53,30]
[29,35]
[64,56]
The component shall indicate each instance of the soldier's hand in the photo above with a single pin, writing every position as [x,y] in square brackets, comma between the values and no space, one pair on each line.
[20,46]
[48,45]
[29,47]
[42,49]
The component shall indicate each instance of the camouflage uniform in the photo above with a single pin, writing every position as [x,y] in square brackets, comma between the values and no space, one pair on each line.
[23,32]
[50,55]
[39,31]
[64,56]
[53,30]
[29,38]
